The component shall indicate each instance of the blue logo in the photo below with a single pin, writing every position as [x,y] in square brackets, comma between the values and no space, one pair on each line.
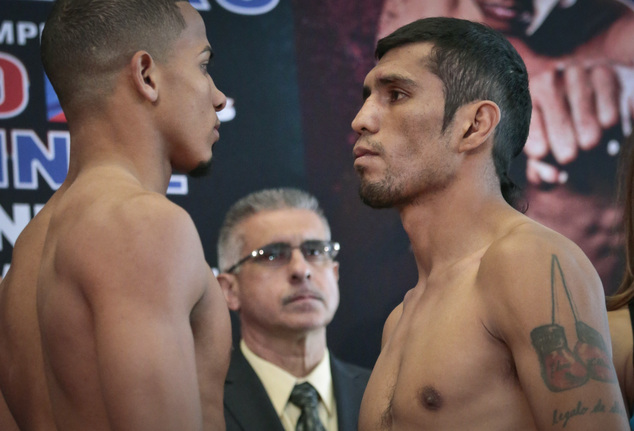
[248,7]
[200,4]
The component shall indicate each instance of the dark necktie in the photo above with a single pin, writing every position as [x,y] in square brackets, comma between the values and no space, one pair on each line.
[305,397]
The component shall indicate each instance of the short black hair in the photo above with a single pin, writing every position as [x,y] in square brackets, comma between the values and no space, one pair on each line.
[85,41]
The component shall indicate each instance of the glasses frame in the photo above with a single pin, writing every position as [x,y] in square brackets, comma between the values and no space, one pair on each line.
[334,247]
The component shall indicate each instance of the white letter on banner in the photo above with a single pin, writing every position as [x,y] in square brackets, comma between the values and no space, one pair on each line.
[31,156]
[9,228]
[7,37]
[25,31]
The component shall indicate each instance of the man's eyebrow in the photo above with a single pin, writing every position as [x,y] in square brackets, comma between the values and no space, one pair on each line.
[396,78]
[388,80]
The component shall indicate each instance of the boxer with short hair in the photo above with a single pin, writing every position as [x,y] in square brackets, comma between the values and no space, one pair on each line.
[110,318]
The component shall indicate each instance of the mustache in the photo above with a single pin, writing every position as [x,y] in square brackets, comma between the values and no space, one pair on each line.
[372,144]
[303,293]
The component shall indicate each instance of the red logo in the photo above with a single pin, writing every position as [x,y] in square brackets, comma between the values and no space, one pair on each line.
[14,86]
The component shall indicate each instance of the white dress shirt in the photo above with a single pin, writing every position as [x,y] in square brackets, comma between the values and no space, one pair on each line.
[278,384]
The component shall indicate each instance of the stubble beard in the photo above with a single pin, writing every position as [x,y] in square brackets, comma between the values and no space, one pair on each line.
[390,191]
[381,194]
[398,188]
[201,170]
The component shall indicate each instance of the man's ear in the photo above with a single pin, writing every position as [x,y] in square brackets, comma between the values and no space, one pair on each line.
[479,119]
[144,74]
[229,285]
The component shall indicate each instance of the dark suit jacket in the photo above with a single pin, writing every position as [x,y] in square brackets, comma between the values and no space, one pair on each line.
[248,408]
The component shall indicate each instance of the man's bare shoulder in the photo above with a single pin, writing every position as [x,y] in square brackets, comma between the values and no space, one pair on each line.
[523,268]
[527,246]
[29,243]
[391,322]
[123,235]
[119,207]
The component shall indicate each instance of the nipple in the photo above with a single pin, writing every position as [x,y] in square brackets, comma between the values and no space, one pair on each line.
[430,398]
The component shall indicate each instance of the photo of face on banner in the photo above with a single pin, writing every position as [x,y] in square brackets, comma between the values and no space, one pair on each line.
[581,67]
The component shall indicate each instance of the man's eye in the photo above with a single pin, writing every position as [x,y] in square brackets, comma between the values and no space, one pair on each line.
[395,95]
[314,251]
[269,255]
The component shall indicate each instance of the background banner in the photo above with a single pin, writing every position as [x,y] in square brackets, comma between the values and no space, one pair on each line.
[293,70]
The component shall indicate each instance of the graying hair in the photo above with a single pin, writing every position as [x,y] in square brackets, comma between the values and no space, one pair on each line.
[230,242]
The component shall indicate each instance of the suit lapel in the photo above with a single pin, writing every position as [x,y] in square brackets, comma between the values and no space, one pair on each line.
[246,401]
[349,384]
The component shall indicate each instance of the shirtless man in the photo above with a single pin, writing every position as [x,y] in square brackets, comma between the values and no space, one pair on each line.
[110,277]
[506,328]
[580,60]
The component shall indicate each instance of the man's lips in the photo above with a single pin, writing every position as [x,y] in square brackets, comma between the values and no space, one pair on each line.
[216,130]
[362,151]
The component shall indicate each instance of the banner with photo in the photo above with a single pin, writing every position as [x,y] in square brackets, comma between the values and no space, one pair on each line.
[292,71]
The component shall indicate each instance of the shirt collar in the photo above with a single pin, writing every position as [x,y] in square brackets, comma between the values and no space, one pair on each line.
[279,383]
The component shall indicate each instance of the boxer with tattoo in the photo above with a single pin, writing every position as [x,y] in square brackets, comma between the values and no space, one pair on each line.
[506,328]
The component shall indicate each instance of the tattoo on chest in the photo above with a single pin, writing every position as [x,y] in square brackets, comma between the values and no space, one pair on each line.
[561,367]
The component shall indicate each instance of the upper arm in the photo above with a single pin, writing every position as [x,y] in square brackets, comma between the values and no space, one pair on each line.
[141,281]
[390,324]
[548,308]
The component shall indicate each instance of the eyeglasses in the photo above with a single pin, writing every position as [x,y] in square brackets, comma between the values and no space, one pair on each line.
[279,253]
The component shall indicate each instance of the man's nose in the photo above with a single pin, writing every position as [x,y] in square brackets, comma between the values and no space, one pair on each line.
[298,266]
[366,120]
[218,99]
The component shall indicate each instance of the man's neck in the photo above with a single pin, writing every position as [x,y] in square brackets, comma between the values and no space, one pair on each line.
[444,231]
[297,355]
[111,141]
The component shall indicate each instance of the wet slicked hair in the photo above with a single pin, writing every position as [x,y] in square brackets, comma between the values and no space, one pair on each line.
[475,62]
[85,42]
[230,242]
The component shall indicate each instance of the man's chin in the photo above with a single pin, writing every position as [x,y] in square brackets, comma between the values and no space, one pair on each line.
[375,196]
[201,170]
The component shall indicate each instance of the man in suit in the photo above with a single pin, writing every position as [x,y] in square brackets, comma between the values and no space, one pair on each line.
[278,273]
